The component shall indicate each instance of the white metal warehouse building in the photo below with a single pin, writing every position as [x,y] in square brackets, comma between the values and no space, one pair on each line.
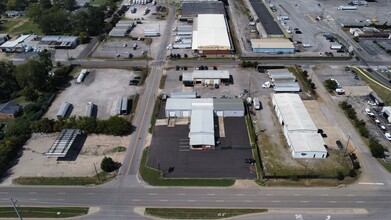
[202,134]
[299,129]
[206,77]
[210,34]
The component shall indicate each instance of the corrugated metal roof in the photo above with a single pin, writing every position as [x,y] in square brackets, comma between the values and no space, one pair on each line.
[294,113]
[210,74]
[267,20]
[62,143]
[202,124]
[307,142]
[192,9]
[184,104]
[272,43]
[183,95]
[228,104]
[211,33]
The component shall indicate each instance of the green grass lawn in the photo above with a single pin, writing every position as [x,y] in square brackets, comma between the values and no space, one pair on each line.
[43,212]
[81,181]
[188,213]
[385,164]
[18,26]
[153,177]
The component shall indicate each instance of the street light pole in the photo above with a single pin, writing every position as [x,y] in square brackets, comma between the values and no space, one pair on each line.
[16,210]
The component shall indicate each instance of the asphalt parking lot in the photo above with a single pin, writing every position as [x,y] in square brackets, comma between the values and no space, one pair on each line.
[123,47]
[168,148]
[373,49]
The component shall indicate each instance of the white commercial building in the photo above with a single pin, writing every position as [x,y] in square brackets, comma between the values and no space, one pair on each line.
[210,34]
[202,113]
[206,77]
[299,129]
[202,134]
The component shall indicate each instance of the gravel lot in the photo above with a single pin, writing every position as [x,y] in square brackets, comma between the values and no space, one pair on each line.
[102,87]
[33,162]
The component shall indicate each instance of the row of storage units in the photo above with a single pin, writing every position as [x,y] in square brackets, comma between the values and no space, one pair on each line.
[283,80]
[122,106]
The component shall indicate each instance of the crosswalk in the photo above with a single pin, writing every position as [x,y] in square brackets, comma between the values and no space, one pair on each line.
[184,144]
[157,67]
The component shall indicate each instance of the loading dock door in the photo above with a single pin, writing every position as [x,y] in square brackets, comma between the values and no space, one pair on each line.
[207,81]
[172,114]
[215,81]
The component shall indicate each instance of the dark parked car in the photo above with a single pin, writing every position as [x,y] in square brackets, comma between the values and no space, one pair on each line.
[339,144]
[217,86]
[137,77]
[298,32]
[231,79]
[133,82]
[249,161]
[180,78]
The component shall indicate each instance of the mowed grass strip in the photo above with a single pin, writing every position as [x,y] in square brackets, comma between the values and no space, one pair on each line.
[188,213]
[43,212]
[66,181]
[153,177]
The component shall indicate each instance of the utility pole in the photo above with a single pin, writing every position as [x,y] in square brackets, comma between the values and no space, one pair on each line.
[96,171]
[16,209]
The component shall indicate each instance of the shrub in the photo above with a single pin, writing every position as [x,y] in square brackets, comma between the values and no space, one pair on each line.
[352,173]
[363,131]
[108,164]
[356,165]
[351,113]
[330,85]
[340,175]
[377,150]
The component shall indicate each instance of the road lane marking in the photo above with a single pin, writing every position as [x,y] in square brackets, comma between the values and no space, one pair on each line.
[304,201]
[191,200]
[61,193]
[33,199]
[350,195]
[60,199]
[324,194]
[3,193]
[135,200]
[248,201]
[219,200]
[90,193]
[332,201]
[181,194]
[367,183]
[296,194]
[211,194]
[32,193]
[152,194]
[359,201]
[239,194]
[275,201]
[163,200]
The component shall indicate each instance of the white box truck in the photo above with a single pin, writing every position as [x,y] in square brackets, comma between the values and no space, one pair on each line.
[256,103]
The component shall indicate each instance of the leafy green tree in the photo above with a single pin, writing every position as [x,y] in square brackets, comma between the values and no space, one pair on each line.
[108,164]
[331,85]
[8,83]
[55,21]
[117,126]
[18,5]
[44,125]
[34,11]
[377,150]
[33,74]
[45,4]
[30,94]
[83,37]
[86,124]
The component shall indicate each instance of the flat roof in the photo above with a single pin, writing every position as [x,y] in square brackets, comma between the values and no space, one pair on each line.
[294,113]
[202,124]
[192,9]
[270,43]
[183,95]
[228,104]
[21,39]
[63,143]
[210,74]
[267,20]
[307,142]
[211,33]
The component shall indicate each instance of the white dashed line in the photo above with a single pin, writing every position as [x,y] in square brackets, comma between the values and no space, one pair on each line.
[61,193]
[269,194]
[239,194]
[33,199]
[324,194]
[181,194]
[248,201]
[32,193]
[191,200]
[90,193]
[332,201]
[163,200]
[360,202]
[60,199]
[366,183]
[152,194]
[304,201]
[350,195]
[211,194]
[219,200]
[135,200]
[296,194]
[275,201]
[3,193]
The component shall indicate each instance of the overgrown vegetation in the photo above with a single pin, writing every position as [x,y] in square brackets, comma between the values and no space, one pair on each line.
[154,115]
[331,85]
[162,81]
[113,126]
[102,177]
[194,213]
[249,64]
[305,81]
[154,177]
[108,164]
[43,212]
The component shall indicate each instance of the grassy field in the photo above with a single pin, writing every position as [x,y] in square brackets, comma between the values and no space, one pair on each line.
[117,149]
[187,213]
[162,82]
[70,181]
[153,177]
[16,26]
[43,212]
[305,87]
[385,164]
